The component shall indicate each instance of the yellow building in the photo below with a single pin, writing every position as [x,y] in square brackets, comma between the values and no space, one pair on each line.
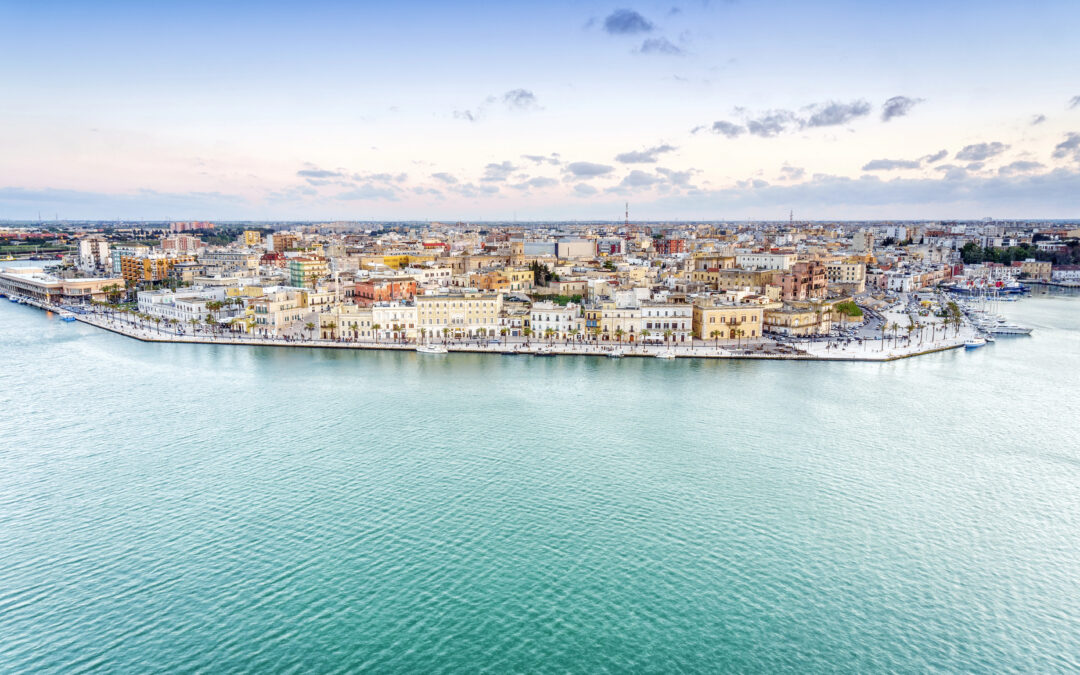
[469,314]
[805,319]
[398,260]
[716,320]
[305,272]
[149,268]
[736,278]
[252,237]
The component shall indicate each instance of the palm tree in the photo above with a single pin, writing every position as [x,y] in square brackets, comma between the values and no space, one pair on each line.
[527,332]
[157,324]
[715,335]
[445,333]
[596,332]
[548,332]
[884,327]
[645,333]
[739,333]
[309,327]
[332,326]
[375,327]
[194,325]
[667,335]
[619,334]
[423,334]
[211,322]
[574,333]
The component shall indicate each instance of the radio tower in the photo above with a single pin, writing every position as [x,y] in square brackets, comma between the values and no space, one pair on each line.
[791,217]
[628,217]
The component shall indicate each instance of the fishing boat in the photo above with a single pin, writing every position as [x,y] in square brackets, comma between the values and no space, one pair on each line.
[615,354]
[67,316]
[975,343]
[431,349]
[545,351]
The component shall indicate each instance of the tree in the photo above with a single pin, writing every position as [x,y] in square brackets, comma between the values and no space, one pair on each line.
[332,326]
[375,327]
[309,327]
[645,333]
[667,335]
[194,325]
[574,333]
[619,334]
[715,335]
[157,324]
[211,322]
[739,333]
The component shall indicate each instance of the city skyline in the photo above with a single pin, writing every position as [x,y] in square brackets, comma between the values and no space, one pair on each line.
[560,111]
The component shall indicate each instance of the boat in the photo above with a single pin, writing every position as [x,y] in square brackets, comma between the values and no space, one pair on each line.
[615,354]
[975,343]
[545,351]
[67,316]
[1009,329]
[666,354]
[431,349]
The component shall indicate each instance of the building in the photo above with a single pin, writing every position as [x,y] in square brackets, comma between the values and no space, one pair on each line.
[721,279]
[550,319]
[799,320]
[1036,269]
[863,242]
[189,304]
[252,237]
[459,315]
[149,268]
[182,243]
[666,322]
[575,249]
[283,241]
[191,226]
[765,261]
[305,271]
[279,309]
[94,255]
[805,280]
[851,276]
[383,289]
[36,284]
[670,246]
[714,319]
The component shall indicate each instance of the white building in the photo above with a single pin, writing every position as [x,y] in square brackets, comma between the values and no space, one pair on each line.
[765,261]
[560,320]
[186,304]
[94,255]
[660,318]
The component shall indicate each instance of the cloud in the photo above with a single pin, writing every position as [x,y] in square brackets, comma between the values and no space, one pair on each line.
[1070,146]
[981,151]
[1020,166]
[727,129]
[677,178]
[952,172]
[587,169]
[936,157]
[467,115]
[770,124]
[638,179]
[585,190]
[898,106]
[538,182]
[1073,102]
[552,159]
[520,99]
[791,172]
[891,164]
[445,177]
[833,113]
[1037,120]
[660,45]
[497,173]
[474,191]
[626,22]
[367,191]
[319,173]
[644,156]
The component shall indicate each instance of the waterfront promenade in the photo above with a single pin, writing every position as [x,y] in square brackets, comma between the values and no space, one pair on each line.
[818,349]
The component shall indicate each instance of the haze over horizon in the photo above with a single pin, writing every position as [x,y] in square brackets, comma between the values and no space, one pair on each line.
[427,111]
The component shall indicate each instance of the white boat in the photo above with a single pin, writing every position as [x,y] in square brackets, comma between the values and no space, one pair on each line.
[431,349]
[666,354]
[975,343]
[1009,329]
[67,316]
[544,351]
[615,354]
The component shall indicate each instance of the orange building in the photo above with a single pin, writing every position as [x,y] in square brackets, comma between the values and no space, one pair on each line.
[383,289]
[149,268]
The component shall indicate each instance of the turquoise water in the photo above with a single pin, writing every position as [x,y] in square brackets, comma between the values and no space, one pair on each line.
[219,509]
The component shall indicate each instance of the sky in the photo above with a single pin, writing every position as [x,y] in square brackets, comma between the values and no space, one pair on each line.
[686,110]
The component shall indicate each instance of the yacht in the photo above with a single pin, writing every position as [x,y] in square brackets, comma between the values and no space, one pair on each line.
[666,354]
[975,343]
[431,349]
[544,351]
[615,354]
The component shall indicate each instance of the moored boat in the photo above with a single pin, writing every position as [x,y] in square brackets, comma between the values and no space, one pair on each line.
[975,343]
[666,354]
[431,349]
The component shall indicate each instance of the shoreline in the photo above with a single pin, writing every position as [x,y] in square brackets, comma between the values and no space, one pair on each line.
[817,352]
